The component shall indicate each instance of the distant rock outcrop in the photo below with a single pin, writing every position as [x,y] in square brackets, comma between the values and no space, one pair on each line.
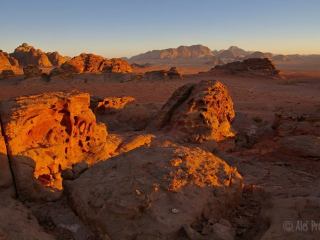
[91,63]
[192,53]
[31,71]
[47,134]
[28,55]
[117,65]
[56,59]
[156,192]
[198,112]
[256,66]
[8,63]
[171,74]
[231,54]
[258,54]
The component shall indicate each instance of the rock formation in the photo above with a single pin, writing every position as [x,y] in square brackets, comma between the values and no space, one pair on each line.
[198,112]
[46,134]
[155,192]
[8,63]
[231,54]
[171,74]
[174,74]
[117,65]
[28,55]
[56,59]
[110,104]
[182,52]
[94,64]
[256,66]
[31,71]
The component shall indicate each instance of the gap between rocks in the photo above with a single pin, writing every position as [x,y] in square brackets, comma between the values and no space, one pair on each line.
[9,158]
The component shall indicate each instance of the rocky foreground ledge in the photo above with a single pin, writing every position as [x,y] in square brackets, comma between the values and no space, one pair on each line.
[149,184]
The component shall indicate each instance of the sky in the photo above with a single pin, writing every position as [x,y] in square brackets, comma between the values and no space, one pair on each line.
[119,28]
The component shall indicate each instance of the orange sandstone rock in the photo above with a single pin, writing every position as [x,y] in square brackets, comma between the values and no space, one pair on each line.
[94,64]
[110,104]
[198,112]
[46,134]
[8,63]
[28,55]
[154,192]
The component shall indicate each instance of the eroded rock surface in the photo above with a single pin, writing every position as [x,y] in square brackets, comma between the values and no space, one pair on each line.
[198,112]
[46,134]
[152,193]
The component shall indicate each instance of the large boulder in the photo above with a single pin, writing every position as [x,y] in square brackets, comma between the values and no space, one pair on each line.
[155,192]
[28,55]
[198,112]
[46,134]
[256,66]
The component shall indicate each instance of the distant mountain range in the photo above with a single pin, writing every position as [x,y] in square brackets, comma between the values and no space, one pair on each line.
[199,54]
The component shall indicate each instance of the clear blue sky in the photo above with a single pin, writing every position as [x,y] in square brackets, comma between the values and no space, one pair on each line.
[119,28]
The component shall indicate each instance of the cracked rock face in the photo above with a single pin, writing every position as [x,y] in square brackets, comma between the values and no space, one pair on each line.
[46,134]
[198,112]
[152,192]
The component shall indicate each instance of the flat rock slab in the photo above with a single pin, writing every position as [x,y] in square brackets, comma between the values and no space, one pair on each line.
[152,192]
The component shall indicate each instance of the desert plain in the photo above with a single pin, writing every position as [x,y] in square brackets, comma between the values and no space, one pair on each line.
[95,148]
